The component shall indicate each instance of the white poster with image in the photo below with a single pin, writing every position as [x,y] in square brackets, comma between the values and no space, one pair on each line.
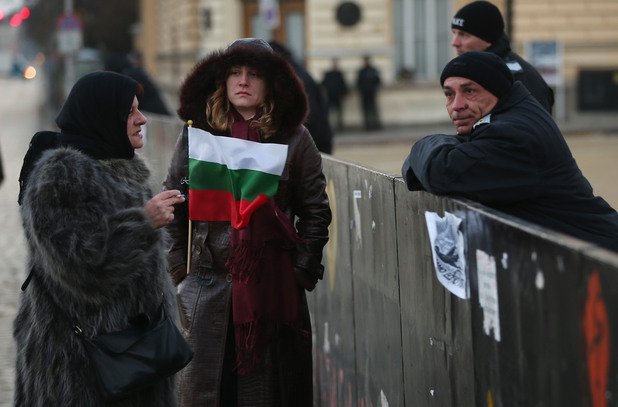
[447,249]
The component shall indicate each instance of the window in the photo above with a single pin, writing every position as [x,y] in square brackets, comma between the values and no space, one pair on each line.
[423,37]
[291,29]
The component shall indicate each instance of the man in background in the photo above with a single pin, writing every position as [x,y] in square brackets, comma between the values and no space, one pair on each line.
[336,89]
[317,122]
[132,66]
[479,26]
[368,83]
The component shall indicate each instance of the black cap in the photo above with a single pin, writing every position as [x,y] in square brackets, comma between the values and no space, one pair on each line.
[484,68]
[481,19]
[253,43]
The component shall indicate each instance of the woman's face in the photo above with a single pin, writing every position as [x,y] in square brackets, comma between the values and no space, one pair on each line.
[134,125]
[245,90]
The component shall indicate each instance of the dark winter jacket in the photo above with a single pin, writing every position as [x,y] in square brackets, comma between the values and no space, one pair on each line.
[1,170]
[368,81]
[524,72]
[317,119]
[317,122]
[205,293]
[516,161]
[96,259]
[335,85]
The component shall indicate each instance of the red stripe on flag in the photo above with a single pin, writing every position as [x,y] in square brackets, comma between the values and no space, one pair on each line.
[212,205]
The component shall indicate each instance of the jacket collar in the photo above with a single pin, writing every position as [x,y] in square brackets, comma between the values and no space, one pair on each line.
[502,46]
[516,94]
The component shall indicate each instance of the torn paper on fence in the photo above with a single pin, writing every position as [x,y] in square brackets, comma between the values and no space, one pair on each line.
[488,293]
[447,246]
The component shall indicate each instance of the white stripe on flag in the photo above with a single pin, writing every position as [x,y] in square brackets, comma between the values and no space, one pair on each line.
[237,154]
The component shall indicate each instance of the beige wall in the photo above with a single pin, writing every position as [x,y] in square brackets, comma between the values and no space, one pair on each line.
[588,29]
[226,24]
[326,38]
[173,37]
[146,40]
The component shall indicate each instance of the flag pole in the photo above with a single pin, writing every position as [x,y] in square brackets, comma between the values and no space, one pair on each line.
[189,123]
[189,249]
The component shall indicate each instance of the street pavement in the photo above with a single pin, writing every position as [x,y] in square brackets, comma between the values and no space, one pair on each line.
[20,104]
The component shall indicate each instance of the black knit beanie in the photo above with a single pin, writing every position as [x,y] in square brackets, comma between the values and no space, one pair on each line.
[480,18]
[484,68]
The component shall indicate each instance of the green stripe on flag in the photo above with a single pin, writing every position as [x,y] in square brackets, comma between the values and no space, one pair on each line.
[243,184]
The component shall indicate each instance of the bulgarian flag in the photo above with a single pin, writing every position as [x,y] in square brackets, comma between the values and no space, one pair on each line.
[229,178]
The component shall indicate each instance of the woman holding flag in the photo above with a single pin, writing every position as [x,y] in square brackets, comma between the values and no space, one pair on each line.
[249,168]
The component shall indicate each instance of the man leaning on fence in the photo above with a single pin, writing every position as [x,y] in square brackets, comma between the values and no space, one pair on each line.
[508,154]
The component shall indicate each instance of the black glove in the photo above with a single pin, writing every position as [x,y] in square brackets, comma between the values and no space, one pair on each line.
[308,279]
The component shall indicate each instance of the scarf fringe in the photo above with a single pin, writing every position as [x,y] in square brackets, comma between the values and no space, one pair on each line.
[265,294]
[245,261]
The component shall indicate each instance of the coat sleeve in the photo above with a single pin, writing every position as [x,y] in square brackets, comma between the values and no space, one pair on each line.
[493,168]
[177,178]
[310,205]
[421,155]
[86,228]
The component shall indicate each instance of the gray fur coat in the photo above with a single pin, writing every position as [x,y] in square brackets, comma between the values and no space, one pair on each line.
[96,259]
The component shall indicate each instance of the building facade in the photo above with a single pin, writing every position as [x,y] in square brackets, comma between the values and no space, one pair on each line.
[408,40]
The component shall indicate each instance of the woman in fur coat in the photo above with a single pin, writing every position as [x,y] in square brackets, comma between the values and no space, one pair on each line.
[96,247]
[243,299]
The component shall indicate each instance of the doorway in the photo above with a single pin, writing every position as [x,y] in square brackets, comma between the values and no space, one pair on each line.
[291,28]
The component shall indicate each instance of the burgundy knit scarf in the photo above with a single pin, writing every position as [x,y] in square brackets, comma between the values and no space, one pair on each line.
[265,295]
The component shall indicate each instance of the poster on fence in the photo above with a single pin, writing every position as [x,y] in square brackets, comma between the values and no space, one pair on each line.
[488,293]
[447,249]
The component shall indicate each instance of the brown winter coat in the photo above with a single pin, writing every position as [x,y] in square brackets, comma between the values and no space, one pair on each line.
[205,293]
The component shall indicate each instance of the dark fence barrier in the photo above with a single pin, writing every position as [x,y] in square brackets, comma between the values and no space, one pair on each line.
[539,328]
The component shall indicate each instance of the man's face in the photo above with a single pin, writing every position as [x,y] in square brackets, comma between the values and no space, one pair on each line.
[467,102]
[464,42]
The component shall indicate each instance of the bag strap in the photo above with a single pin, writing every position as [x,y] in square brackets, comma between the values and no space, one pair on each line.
[26,282]
[74,325]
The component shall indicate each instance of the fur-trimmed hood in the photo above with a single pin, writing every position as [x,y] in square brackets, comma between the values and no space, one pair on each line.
[286,89]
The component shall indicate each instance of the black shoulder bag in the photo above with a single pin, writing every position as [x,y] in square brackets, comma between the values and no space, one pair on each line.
[129,360]
[138,356]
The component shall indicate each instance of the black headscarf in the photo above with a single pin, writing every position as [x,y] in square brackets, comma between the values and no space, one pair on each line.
[94,116]
[92,120]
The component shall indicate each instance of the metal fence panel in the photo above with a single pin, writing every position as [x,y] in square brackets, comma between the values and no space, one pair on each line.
[332,302]
[376,288]
[387,333]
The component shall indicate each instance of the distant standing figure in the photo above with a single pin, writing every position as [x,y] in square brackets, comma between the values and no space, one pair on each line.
[317,121]
[1,170]
[152,101]
[336,89]
[131,65]
[368,82]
